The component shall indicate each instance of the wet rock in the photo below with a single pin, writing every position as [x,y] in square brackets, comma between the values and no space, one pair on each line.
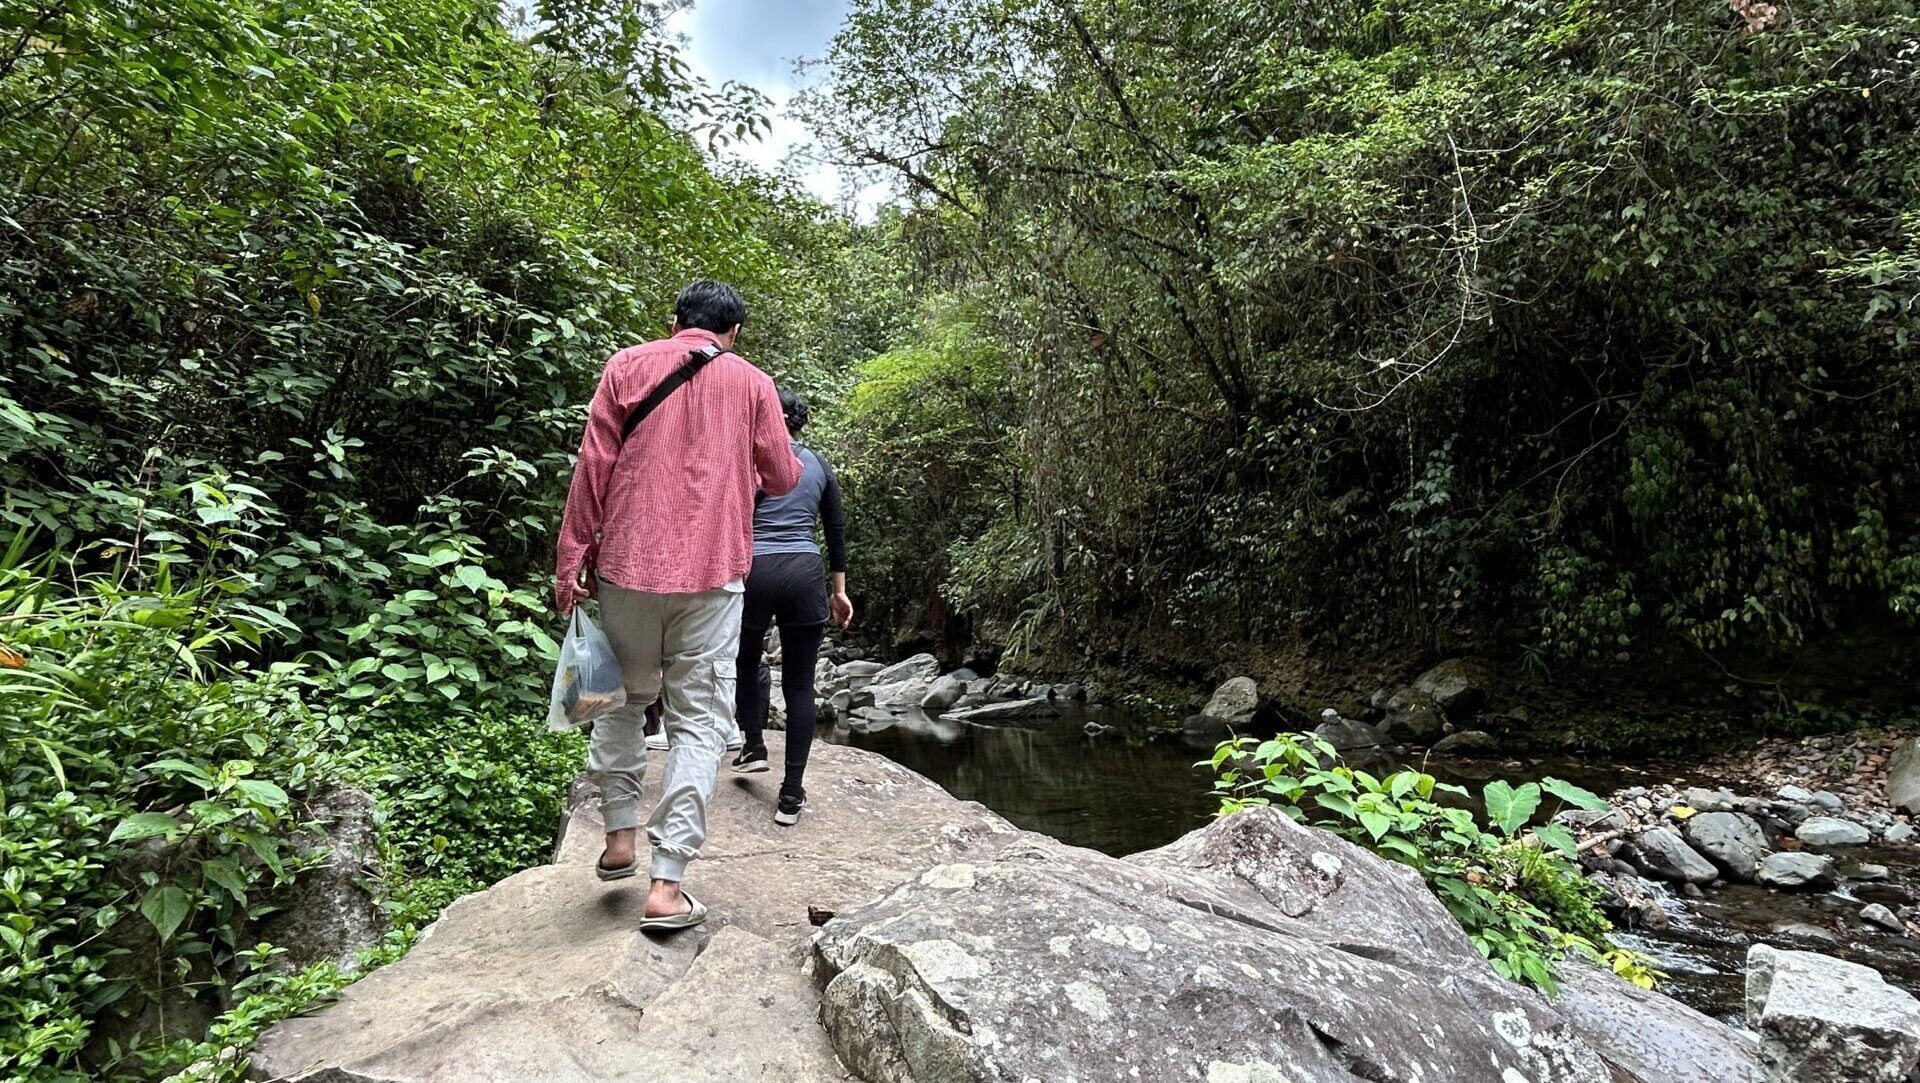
[1731,840]
[1869,873]
[945,693]
[1805,930]
[1890,894]
[1456,686]
[1701,799]
[1828,801]
[1467,743]
[1346,735]
[1666,855]
[859,669]
[1876,914]
[1095,729]
[1832,831]
[1072,693]
[1234,702]
[1824,1020]
[992,713]
[1899,833]
[1651,1037]
[1253,949]
[1412,716]
[1903,776]
[921,667]
[1796,870]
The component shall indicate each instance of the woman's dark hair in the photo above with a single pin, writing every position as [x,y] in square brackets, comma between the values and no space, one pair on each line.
[710,306]
[795,409]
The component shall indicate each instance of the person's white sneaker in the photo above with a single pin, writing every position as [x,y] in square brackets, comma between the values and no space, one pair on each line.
[657,742]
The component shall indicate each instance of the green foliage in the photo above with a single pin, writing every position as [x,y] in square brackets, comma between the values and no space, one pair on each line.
[150,781]
[1433,320]
[1515,889]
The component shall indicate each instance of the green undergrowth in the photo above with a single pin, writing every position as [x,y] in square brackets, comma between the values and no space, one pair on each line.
[1510,883]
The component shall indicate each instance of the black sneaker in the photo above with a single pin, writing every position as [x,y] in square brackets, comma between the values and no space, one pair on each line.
[788,812]
[751,761]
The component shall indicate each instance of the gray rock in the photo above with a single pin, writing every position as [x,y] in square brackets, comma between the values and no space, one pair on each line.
[1651,1037]
[1869,873]
[1828,801]
[1254,949]
[841,702]
[1467,743]
[1234,702]
[1666,855]
[964,674]
[1346,735]
[1455,685]
[1592,821]
[1831,831]
[544,977]
[920,667]
[1824,1020]
[330,911]
[1796,870]
[1796,795]
[1876,914]
[1072,693]
[980,686]
[1412,716]
[859,669]
[1899,833]
[1017,710]
[900,695]
[1903,776]
[945,693]
[1731,840]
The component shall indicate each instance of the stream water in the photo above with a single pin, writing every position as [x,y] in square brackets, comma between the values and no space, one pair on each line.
[1132,789]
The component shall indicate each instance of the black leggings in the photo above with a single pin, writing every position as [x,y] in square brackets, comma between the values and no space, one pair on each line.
[799,648]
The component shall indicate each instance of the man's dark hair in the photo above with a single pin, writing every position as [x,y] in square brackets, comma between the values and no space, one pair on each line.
[710,306]
[795,409]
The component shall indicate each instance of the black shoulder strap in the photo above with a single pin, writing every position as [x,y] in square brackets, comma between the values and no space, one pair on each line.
[697,361]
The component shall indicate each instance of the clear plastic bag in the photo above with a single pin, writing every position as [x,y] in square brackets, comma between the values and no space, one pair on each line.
[587,683]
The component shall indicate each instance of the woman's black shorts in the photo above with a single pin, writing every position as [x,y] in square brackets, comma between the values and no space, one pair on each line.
[790,588]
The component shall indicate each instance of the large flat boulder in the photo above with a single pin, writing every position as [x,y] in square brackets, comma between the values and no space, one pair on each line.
[543,976]
[1826,1020]
[1049,962]
[1649,1037]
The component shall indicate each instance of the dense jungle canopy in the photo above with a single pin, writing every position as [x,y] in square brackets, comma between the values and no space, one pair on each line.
[1570,333]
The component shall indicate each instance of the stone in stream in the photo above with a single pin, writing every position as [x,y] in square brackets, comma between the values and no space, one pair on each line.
[1651,1037]
[1832,831]
[1903,776]
[1233,703]
[945,693]
[1824,1020]
[1899,833]
[1467,743]
[920,667]
[859,669]
[1592,821]
[1346,735]
[900,695]
[1869,872]
[1876,914]
[1412,716]
[1666,855]
[1017,710]
[1796,795]
[1828,801]
[1731,840]
[1796,870]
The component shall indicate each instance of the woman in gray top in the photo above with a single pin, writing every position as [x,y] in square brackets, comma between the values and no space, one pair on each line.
[786,587]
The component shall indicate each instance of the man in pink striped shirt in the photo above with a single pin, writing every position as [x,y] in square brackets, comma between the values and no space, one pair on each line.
[659,527]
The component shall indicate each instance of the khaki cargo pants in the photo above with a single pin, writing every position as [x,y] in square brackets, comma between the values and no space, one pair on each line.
[684,645]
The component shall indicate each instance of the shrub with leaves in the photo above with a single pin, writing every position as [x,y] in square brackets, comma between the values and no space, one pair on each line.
[1512,886]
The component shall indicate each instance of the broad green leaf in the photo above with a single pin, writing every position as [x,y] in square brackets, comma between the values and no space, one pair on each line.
[1574,795]
[145,825]
[224,872]
[263,792]
[165,907]
[1557,837]
[1508,808]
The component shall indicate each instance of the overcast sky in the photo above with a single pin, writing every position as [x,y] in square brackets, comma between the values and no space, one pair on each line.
[757,42]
